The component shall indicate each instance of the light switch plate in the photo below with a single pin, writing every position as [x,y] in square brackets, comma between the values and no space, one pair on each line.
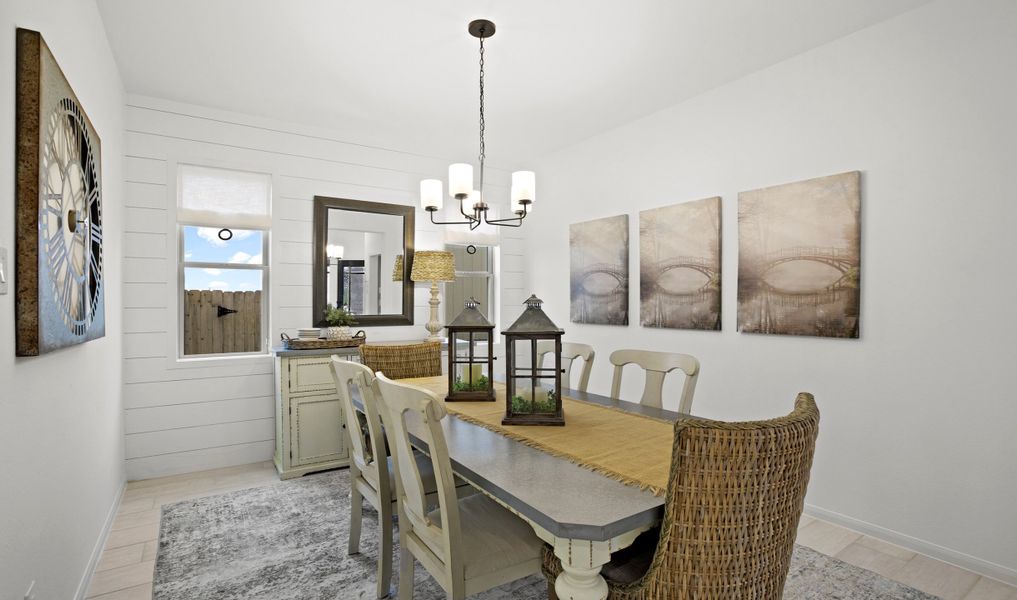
[4,272]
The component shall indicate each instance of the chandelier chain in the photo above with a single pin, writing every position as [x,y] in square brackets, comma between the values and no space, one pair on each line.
[482,149]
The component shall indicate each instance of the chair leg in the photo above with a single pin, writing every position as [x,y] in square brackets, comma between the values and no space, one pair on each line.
[405,572]
[385,557]
[551,593]
[356,516]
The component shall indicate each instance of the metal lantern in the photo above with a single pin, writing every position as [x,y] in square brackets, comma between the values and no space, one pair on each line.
[470,356]
[532,391]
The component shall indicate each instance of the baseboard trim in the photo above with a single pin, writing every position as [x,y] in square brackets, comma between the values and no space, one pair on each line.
[100,544]
[959,559]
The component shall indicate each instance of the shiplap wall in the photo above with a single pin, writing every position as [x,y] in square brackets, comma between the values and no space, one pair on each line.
[188,416]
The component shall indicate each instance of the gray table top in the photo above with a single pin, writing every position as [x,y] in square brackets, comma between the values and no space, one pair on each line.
[567,500]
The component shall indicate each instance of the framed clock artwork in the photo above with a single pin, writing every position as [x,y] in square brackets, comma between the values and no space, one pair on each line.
[60,299]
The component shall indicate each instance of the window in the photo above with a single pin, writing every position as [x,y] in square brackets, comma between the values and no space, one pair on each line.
[474,277]
[223,221]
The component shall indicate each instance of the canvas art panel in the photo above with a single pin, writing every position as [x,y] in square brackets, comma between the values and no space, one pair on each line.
[799,248]
[599,271]
[679,266]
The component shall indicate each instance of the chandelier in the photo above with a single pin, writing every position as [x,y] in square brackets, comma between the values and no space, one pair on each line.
[460,175]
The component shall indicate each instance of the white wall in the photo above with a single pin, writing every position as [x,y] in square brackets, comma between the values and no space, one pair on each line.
[60,420]
[183,417]
[917,436]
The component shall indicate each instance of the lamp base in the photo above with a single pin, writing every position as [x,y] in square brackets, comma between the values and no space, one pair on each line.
[434,326]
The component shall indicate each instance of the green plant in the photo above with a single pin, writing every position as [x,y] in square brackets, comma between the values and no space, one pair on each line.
[335,316]
[479,385]
[521,405]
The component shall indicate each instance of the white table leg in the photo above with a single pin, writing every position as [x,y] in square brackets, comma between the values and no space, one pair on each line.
[581,561]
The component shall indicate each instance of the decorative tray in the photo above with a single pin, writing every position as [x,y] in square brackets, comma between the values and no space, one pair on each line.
[321,344]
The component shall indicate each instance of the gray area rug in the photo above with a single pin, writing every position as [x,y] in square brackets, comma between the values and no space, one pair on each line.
[287,541]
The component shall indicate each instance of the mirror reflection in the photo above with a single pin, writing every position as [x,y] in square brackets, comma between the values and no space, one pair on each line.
[363,267]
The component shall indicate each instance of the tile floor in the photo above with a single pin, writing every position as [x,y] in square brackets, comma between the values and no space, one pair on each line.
[125,570]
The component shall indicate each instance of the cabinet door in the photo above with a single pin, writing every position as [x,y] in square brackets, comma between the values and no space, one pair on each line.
[316,430]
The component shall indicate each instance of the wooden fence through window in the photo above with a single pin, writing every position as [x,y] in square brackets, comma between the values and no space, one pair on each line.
[205,332]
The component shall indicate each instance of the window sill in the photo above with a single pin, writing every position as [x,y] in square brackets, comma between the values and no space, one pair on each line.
[212,361]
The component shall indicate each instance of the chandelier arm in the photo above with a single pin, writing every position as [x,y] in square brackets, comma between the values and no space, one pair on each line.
[518,222]
[448,222]
[463,212]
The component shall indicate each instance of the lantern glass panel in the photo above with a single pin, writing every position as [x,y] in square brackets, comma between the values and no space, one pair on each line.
[471,362]
[533,396]
[533,384]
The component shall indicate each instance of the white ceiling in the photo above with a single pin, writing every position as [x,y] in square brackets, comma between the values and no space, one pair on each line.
[558,71]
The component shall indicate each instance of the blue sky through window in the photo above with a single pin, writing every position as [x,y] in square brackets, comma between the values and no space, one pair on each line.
[202,244]
[227,280]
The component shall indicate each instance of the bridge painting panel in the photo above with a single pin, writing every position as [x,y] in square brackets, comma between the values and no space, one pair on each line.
[785,232]
[680,271]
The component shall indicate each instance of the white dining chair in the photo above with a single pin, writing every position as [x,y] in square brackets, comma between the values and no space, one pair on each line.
[371,479]
[468,545]
[656,365]
[570,351]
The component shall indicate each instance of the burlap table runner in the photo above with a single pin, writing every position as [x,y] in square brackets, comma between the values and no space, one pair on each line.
[631,448]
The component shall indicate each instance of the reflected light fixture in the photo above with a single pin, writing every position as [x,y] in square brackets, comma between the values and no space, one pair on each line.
[460,175]
[334,251]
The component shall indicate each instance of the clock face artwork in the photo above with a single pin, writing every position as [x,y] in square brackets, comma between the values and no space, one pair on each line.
[59,275]
[70,219]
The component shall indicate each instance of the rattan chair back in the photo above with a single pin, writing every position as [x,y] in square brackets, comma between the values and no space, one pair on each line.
[734,498]
[402,361]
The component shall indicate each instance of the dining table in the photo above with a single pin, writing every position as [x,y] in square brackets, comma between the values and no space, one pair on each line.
[583,515]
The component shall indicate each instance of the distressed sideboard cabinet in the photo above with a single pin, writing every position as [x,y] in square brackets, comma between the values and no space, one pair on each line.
[309,423]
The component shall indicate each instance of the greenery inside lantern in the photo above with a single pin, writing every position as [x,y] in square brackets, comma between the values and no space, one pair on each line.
[532,391]
[470,356]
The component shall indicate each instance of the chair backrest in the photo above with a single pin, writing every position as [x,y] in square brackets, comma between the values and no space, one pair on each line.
[402,361]
[402,404]
[735,495]
[570,351]
[657,365]
[367,447]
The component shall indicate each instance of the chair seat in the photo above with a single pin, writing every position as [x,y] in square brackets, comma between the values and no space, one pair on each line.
[627,565]
[494,539]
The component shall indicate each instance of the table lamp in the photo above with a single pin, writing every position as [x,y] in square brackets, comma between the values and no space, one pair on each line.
[397,268]
[433,266]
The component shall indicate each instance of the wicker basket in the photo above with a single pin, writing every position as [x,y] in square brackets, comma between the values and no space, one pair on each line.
[299,344]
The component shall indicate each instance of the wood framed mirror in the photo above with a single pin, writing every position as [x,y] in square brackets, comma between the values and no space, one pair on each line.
[362,257]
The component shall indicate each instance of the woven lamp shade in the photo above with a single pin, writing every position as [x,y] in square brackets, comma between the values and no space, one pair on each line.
[397,270]
[433,265]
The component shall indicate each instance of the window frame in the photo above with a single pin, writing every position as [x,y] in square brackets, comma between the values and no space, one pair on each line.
[182,264]
[491,310]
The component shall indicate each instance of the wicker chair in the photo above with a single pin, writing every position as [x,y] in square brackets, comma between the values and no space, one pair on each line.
[401,361]
[734,497]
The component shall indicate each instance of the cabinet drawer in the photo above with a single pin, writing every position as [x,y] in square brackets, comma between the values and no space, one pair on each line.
[311,375]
